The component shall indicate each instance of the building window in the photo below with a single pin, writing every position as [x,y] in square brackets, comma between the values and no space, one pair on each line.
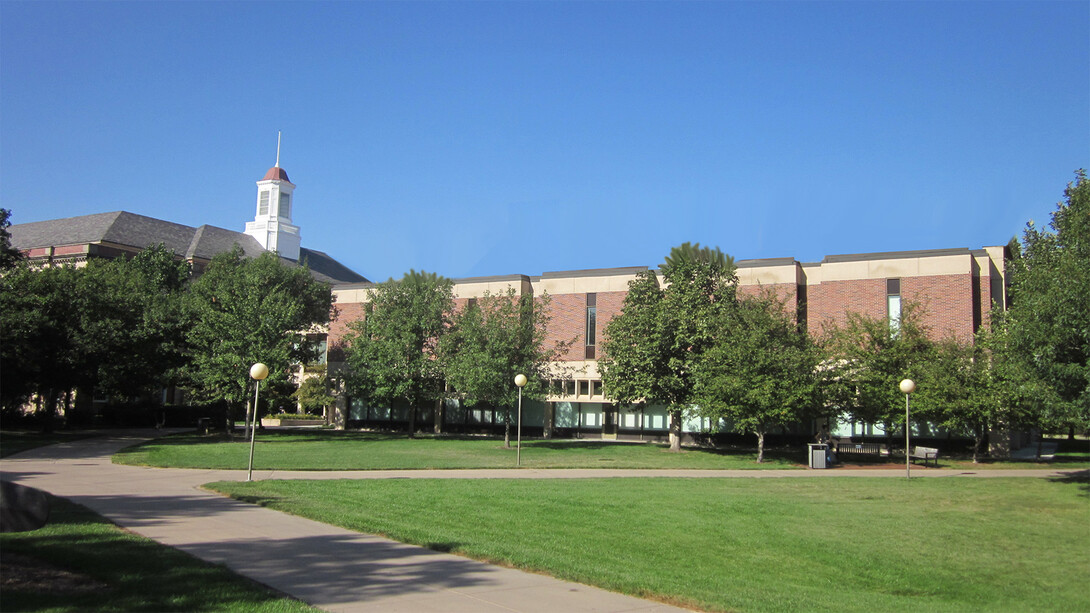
[263,203]
[584,388]
[893,305]
[285,205]
[592,324]
[595,388]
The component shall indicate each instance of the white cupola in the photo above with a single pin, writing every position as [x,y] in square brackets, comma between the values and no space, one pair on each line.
[272,225]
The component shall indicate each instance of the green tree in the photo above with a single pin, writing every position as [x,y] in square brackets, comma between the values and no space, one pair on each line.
[247,310]
[1049,316]
[653,346]
[393,353]
[759,373]
[9,256]
[40,351]
[314,395]
[867,358]
[960,394]
[131,327]
[494,338]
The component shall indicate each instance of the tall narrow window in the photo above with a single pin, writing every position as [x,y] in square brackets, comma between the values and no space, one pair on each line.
[263,203]
[893,305]
[285,205]
[592,324]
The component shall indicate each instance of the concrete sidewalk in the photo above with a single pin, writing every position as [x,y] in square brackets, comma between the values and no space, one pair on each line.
[328,567]
[332,568]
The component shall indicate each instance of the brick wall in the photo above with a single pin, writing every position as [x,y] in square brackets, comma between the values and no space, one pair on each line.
[787,293]
[346,313]
[946,302]
[567,323]
[828,304]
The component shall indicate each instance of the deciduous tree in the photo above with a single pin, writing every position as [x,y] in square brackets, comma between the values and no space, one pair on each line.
[760,371]
[246,310]
[393,353]
[1049,316]
[653,346]
[494,338]
[868,357]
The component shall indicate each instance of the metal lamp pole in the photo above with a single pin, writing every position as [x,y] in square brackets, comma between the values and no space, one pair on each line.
[257,372]
[520,382]
[907,386]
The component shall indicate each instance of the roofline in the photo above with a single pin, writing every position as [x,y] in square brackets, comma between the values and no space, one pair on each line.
[594,272]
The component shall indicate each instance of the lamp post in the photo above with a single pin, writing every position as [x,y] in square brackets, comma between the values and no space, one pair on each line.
[907,386]
[520,382]
[258,372]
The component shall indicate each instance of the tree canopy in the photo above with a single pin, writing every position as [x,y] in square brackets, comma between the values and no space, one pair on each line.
[247,310]
[760,372]
[1049,316]
[866,360]
[653,346]
[496,337]
[393,353]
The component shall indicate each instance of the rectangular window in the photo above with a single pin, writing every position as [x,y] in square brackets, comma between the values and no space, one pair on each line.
[596,388]
[285,205]
[592,325]
[584,388]
[893,305]
[263,203]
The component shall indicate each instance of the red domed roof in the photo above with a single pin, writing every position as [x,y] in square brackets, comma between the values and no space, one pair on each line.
[276,173]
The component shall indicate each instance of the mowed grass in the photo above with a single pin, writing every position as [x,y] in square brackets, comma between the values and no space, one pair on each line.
[129,573]
[953,544]
[327,450]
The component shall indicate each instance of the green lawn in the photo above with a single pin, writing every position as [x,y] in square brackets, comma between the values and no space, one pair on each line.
[129,573]
[328,450]
[338,450]
[744,544]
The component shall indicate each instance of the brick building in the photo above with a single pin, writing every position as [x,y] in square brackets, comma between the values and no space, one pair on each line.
[956,289]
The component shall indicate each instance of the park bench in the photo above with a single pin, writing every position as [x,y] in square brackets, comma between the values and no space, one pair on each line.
[926,454]
[848,447]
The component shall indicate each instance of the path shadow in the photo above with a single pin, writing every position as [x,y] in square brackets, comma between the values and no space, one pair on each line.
[1081,477]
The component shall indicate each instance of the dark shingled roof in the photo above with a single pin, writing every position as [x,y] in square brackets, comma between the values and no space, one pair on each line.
[139,231]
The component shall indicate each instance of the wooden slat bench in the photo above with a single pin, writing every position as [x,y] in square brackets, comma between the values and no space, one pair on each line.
[927,454]
[861,448]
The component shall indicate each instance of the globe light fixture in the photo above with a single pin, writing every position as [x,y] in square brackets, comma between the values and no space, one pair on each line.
[258,372]
[907,387]
[520,382]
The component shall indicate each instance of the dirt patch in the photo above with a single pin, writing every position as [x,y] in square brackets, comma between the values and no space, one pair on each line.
[27,574]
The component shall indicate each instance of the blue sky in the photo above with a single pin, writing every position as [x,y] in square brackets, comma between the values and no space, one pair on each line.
[492,138]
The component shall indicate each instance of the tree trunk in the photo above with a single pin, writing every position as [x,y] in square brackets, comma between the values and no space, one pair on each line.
[246,424]
[412,420]
[760,446]
[507,429]
[978,441]
[550,415]
[438,426]
[49,409]
[675,431]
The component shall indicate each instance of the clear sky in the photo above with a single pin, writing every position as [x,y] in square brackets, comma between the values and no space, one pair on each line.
[492,138]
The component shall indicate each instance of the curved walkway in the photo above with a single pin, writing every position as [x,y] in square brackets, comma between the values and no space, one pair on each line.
[329,567]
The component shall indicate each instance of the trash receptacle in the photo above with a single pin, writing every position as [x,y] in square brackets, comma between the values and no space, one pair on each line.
[818,453]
